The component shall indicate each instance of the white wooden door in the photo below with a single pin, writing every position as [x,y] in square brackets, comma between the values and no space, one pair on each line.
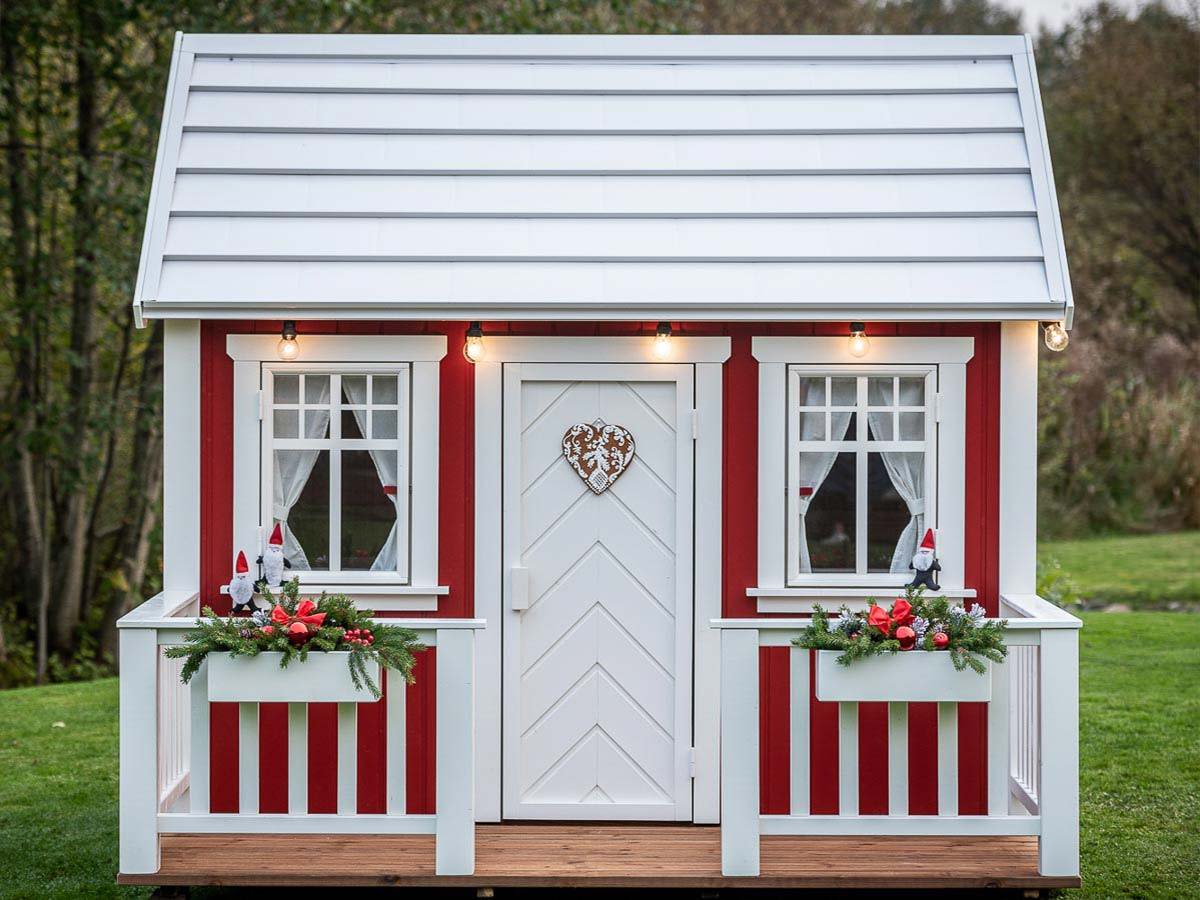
[598,597]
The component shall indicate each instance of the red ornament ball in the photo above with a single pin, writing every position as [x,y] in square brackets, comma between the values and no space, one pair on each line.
[941,640]
[906,636]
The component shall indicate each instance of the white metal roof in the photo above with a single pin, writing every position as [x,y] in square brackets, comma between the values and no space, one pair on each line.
[603,177]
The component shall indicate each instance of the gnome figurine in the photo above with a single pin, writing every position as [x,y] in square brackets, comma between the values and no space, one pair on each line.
[273,561]
[241,588]
[924,564]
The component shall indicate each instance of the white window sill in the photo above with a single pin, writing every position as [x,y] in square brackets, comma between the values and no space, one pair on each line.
[380,597]
[802,599]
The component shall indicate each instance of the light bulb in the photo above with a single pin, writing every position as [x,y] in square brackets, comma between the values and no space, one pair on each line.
[473,349]
[662,341]
[858,342]
[1056,337]
[288,347]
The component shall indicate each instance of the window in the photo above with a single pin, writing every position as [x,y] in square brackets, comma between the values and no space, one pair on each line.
[336,468]
[860,471]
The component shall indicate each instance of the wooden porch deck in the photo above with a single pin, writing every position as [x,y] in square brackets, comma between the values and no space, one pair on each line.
[600,855]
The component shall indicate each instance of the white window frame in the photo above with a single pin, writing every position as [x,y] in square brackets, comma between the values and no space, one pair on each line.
[860,446]
[779,588]
[254,361]
[335,442]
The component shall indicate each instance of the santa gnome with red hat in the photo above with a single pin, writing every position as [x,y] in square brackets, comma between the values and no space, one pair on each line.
[924,564]
[241,588]
[273,561]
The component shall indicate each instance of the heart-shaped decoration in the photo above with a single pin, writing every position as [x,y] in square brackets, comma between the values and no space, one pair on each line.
[599,453]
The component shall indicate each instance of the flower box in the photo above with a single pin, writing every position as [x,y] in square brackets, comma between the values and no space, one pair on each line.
[914,676]
[321,678]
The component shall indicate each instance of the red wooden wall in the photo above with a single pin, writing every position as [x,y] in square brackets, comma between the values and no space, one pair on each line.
[456,555]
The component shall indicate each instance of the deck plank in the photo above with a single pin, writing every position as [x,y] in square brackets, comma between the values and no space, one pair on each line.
[597,855]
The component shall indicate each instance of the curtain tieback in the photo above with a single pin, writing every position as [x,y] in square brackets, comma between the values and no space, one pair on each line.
[281,513]
[390,490]
[916,507]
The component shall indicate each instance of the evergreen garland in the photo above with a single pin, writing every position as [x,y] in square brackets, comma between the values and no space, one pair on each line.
[293,627]
[969,638]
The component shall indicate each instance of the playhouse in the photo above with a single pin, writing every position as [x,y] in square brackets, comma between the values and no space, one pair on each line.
[599,362]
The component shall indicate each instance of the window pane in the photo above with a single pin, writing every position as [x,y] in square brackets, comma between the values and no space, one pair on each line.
[892,480]
[383,424]
[812,426]
[912,392]
[350,429]
[316,389]
[879,391]
[304,474]
[830,520]
[880,426]
[843,391]
[287,388]
[316,422]
[368,512]
[912,426]
[287,423]
[354,389]
[383,389]
[812,392]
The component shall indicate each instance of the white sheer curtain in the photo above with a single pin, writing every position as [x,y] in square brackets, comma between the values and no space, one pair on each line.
[291,472]
[905,469]
[387,467]
[814,468]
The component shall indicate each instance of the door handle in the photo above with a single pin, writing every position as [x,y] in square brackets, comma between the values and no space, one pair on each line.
[519,587]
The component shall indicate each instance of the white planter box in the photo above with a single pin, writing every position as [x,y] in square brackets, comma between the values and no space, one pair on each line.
[913,676]
[321,678]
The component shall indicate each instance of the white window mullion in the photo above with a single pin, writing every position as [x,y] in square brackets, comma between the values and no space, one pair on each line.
[860,478]
[335,473]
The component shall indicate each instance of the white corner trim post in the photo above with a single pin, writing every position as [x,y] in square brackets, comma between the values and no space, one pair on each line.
[1058,797]
[181,455]
[455,776]
[739,752]
[1018,457]
[138,854]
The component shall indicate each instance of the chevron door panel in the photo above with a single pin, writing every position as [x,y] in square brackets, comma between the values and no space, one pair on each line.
[597,666]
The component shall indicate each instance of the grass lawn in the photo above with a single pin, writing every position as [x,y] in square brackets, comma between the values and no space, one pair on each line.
[1141,570]
[1140,771]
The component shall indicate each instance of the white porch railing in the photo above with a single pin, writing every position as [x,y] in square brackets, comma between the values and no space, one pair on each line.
[1032,754]
[164,748]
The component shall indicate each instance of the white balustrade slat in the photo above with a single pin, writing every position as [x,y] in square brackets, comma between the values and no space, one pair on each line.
[347,759]
[947,759]
[799,700]
[739,753]
[248,758]
[848,759]
[198,781]
[898,759]
[297,758]
[998,723]
[397,749]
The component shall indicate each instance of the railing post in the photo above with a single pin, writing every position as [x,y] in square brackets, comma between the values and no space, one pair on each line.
[455,775]
[1058,797]
[139,751]
[739,752]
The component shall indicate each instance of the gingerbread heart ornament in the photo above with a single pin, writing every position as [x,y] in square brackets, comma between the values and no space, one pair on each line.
[599,453]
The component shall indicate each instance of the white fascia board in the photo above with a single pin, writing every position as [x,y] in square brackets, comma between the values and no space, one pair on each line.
[341,347]
[603,46]
[833,349]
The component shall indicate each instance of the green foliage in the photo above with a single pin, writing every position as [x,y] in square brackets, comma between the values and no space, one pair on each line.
[1150,571]
[859,635]
[333,619]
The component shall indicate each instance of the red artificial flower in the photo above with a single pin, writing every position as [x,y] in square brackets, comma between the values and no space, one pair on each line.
[880,619]
[906,636]
[268,630]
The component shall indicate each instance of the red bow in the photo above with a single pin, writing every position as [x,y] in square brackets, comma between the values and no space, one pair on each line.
[901,615]
[304,622]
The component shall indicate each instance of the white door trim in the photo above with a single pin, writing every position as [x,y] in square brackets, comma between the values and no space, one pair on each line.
[706,556]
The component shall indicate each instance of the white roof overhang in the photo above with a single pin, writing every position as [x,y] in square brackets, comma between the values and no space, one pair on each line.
[596,177]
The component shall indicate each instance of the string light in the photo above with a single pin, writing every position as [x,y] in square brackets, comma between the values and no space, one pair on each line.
[662,341]
[288,347]
[473,349]
[858,342]
[1055,336]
